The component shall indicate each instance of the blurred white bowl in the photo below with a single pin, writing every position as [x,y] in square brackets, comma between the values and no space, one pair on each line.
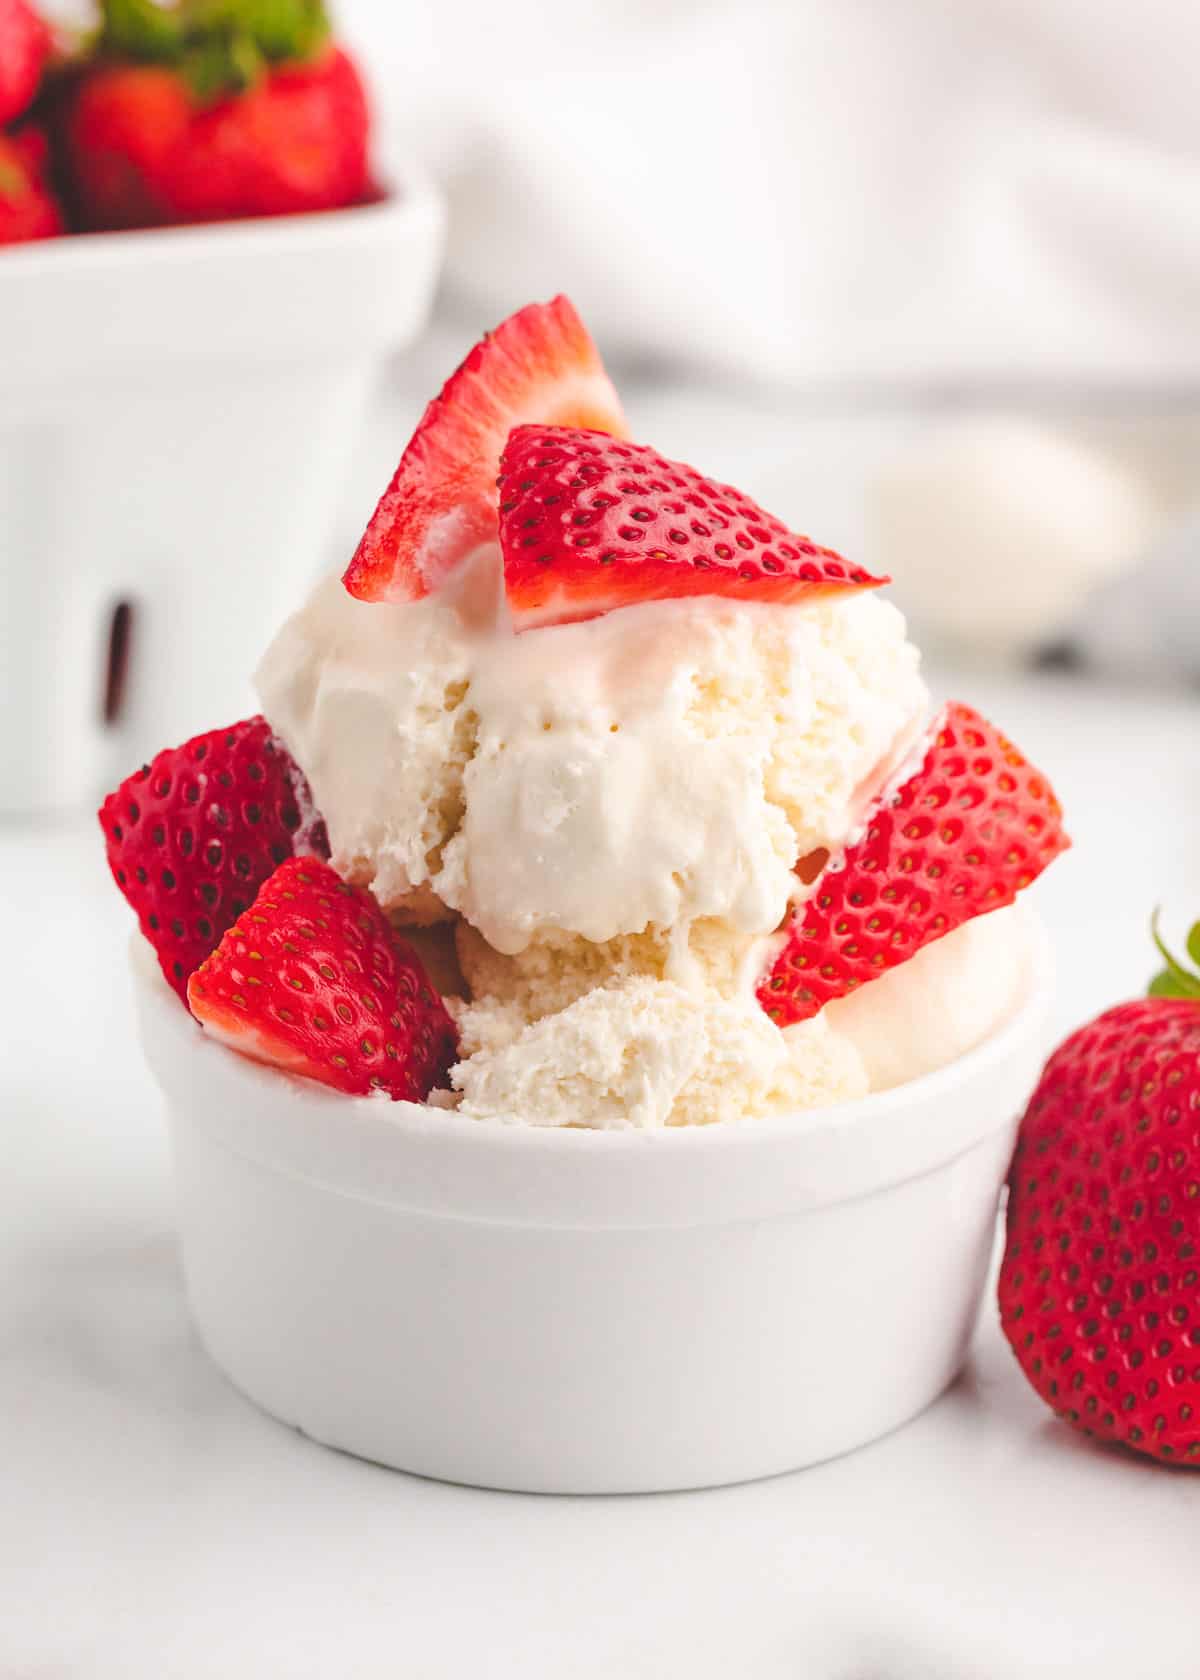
[177,409]
[586,1312]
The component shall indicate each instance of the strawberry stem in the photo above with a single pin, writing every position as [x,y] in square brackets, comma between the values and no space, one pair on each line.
[142,29]
[1175,981]
[219,46]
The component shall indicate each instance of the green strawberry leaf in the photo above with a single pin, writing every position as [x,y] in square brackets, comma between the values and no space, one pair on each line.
[288,28]
[280,29]
[1193,943]
[143,30]
[220,46]
[1175,980]
[214,67]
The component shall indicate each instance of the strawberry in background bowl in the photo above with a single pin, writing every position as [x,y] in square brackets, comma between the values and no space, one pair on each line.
[29,207]
[24,50]
[199,112]
[175,113]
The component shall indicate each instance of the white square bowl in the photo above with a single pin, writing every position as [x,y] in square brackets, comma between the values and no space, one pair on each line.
[568,1311]
[177,409]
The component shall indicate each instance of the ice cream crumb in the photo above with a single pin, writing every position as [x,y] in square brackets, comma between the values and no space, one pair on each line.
[646,1053]
[553,971]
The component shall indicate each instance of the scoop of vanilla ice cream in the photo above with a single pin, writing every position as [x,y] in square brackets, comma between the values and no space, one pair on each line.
[613,812]
[670,762]
[939,1004]
[639,1052]
[369,700]
[660,765]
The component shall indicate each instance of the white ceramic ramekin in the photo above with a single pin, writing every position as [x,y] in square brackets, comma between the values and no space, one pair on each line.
[586,1312]
[177,409]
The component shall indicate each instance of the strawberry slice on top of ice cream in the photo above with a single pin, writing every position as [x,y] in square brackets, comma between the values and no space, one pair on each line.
[540,364]
[589,524]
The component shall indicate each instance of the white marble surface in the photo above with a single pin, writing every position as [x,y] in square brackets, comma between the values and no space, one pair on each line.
[155,1526]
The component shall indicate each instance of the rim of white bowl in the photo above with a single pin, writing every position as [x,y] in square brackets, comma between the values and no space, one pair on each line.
[447,1164]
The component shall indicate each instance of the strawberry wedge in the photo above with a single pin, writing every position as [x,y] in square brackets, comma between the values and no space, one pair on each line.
[588,524]
[193,835]
[314,980]
[975,825]
[540,364]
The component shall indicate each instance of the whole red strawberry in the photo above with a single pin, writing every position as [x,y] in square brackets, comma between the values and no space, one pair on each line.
[1100,1284]
[295,141]
[24,49]
[193,113]
[589,523]
[28,208]
[314,980]
[192,836]
[124,126]
[539,364]
[962,836]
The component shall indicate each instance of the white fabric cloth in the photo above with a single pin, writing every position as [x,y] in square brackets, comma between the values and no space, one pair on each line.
[817,191]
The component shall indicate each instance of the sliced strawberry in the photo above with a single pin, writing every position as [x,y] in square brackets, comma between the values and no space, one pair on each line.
[192,836]
[540,364]
[588,524]
[313,979]
[963,836]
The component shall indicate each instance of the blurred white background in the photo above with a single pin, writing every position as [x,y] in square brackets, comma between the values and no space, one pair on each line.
[869,195]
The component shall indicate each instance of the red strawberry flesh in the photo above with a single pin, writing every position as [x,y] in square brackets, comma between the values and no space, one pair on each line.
[28,208]
[193,835]
[588,524]
[314,980]
[961,837]
[1099,1288]
[24,48]
[540,364]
